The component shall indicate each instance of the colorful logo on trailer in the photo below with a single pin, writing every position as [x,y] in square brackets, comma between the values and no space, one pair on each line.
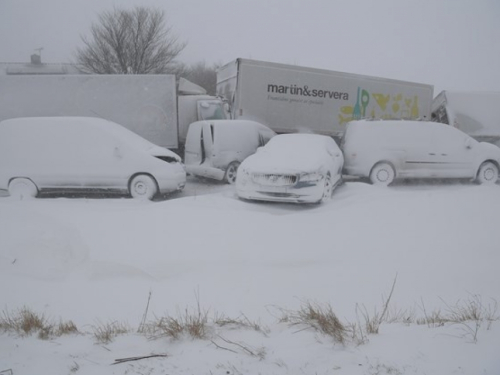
[384,106]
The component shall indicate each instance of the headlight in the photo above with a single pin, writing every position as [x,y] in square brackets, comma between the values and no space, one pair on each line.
[244,172]
[311,177]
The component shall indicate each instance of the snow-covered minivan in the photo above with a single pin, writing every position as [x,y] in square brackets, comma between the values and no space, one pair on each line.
[390,149]
[215,148]
[67,153]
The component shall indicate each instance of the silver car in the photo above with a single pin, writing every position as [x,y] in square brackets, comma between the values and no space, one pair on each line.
[299,168]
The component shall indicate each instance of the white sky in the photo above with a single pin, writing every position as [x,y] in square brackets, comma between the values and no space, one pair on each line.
[452,44]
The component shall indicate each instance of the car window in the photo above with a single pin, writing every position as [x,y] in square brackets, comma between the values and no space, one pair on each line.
[237,138]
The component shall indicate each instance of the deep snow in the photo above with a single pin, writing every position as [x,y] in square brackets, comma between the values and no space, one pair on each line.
[96,260]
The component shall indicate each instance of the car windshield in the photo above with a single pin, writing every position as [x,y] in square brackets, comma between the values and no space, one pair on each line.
[291,143]
[211,110]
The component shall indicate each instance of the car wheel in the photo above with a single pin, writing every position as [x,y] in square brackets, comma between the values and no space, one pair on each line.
[487,173]
[22,188]
[143,187]
[382,174]
[328,190]
[232,169]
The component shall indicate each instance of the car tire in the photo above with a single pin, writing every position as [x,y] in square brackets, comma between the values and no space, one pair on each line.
[328,189]
[231,171]
[22,188]
[382,174]
[487,173]
[143,187]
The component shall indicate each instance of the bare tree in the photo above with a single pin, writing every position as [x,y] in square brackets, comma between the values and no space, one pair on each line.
[136,41]
[203,75]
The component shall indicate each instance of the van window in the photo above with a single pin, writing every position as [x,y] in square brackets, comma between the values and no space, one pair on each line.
[239,138]
[441,115]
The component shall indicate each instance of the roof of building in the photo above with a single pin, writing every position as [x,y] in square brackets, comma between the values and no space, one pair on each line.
[41,68]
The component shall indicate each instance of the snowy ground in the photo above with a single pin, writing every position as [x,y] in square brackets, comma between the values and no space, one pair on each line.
[95,261]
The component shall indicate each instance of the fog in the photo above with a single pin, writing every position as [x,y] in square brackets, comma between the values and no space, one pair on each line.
[451,44]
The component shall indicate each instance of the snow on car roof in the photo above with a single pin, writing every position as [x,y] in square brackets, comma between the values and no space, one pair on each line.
[233,123]
[117,130]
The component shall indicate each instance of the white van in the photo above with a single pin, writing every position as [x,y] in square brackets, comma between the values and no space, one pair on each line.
[65,153]
[215,149]
[386,150]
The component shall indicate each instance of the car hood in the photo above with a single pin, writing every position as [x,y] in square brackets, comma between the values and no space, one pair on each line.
[284,163]
[162,151]
[490,149]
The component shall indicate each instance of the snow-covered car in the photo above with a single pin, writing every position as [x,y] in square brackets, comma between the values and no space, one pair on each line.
[386,150]
[66,153]
[299,168]
[215,148]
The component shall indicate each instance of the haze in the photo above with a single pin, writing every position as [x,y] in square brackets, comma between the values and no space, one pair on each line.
[451,44]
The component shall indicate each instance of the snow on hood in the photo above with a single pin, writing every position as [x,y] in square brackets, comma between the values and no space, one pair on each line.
[289,153]
[134,139]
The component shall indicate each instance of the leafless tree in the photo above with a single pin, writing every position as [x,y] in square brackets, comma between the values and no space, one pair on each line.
[136,41]
[203,75]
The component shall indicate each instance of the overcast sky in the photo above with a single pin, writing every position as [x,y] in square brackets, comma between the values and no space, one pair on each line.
[451,44]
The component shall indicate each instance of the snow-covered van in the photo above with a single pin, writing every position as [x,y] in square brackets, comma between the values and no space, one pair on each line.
[215,149]
[386,150]
[66,153]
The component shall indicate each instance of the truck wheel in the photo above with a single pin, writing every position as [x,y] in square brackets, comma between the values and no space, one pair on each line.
[382,174]
[487,173]
[143,187]
[232,169]
[22,188]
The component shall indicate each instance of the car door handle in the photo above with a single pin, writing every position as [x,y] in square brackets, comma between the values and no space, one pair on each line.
[444,154]
[432,153]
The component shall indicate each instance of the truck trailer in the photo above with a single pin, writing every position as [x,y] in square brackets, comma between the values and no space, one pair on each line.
[154,106]
[289,98]
[474,113]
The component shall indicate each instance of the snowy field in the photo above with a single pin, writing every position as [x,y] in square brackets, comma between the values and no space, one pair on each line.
[98,261]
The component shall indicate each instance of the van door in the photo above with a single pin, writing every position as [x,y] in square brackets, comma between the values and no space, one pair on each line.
[421,158]
[194,145]
[452,149]
[207,142]
[199,144]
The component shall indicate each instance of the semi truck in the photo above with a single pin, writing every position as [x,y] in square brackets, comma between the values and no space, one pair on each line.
[474,113]
[289,98]
[156,107]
